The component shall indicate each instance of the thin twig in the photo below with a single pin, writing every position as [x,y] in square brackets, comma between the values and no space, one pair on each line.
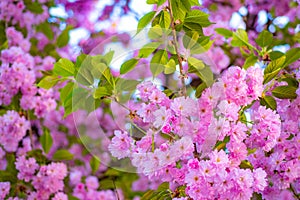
[294,192]
[117,194]
[182,75]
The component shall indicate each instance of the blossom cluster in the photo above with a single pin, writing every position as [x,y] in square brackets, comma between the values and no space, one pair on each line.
[13,128]
[46,179]
[203,144]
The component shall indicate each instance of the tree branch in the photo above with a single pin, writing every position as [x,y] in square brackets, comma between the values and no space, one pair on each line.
[182,75]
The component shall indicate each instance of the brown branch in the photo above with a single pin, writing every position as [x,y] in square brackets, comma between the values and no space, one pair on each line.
[182,75]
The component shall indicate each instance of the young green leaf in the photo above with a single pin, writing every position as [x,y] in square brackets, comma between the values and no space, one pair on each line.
[46,141]
[275,55]
[240,38]
[170,67]
[197,17]
[64,37]
[126,84]
[200,89]
[66,91]
[128,65]
[48,82]
[94,163]
[179,10]
[291,81]
[250,61]
[264,39]
[198,64]
[292,55]
[107,58]
[155,32]
[165,20]
[148,48]
[273,69]
[190,39]
[64,68]
[62,154]
[285,92]
[46,29]
[269,102]
[159,59]
[34,7]
[224,32]
[102,91]
[145,20]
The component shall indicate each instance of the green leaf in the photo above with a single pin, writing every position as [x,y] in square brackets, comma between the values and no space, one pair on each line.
[203,45]
[198,17]
[163,19]
[62,154]
[11,166]
[38,155]
[194,2]
[102,71]
[108,57]
[291,81]
[264,39]
[191,26]
[269,102]
[273,69]
[155,32]
[163,187]
[48,82]
[240,38]
[102,91]
[250,61]
[64,37]
[170,67]
[85,68]
[64,68]
[46,141]
[292,55]
[7,176]
[94,163]
[66,91]
[198,64]
[79,60]
[71,197]
[79,98]
[148,48]
[245,164]
[160,2]
[159,59]
[148,195]
[275,55]
[224,32]
[126,84]
[145,20]
[190,39]
[85,77]
[34,7]
[200,89]
[285,92]
[205,74]
[46,29]
[128,65]
[151,1]
[3,35]
[186,4]
[178,9]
